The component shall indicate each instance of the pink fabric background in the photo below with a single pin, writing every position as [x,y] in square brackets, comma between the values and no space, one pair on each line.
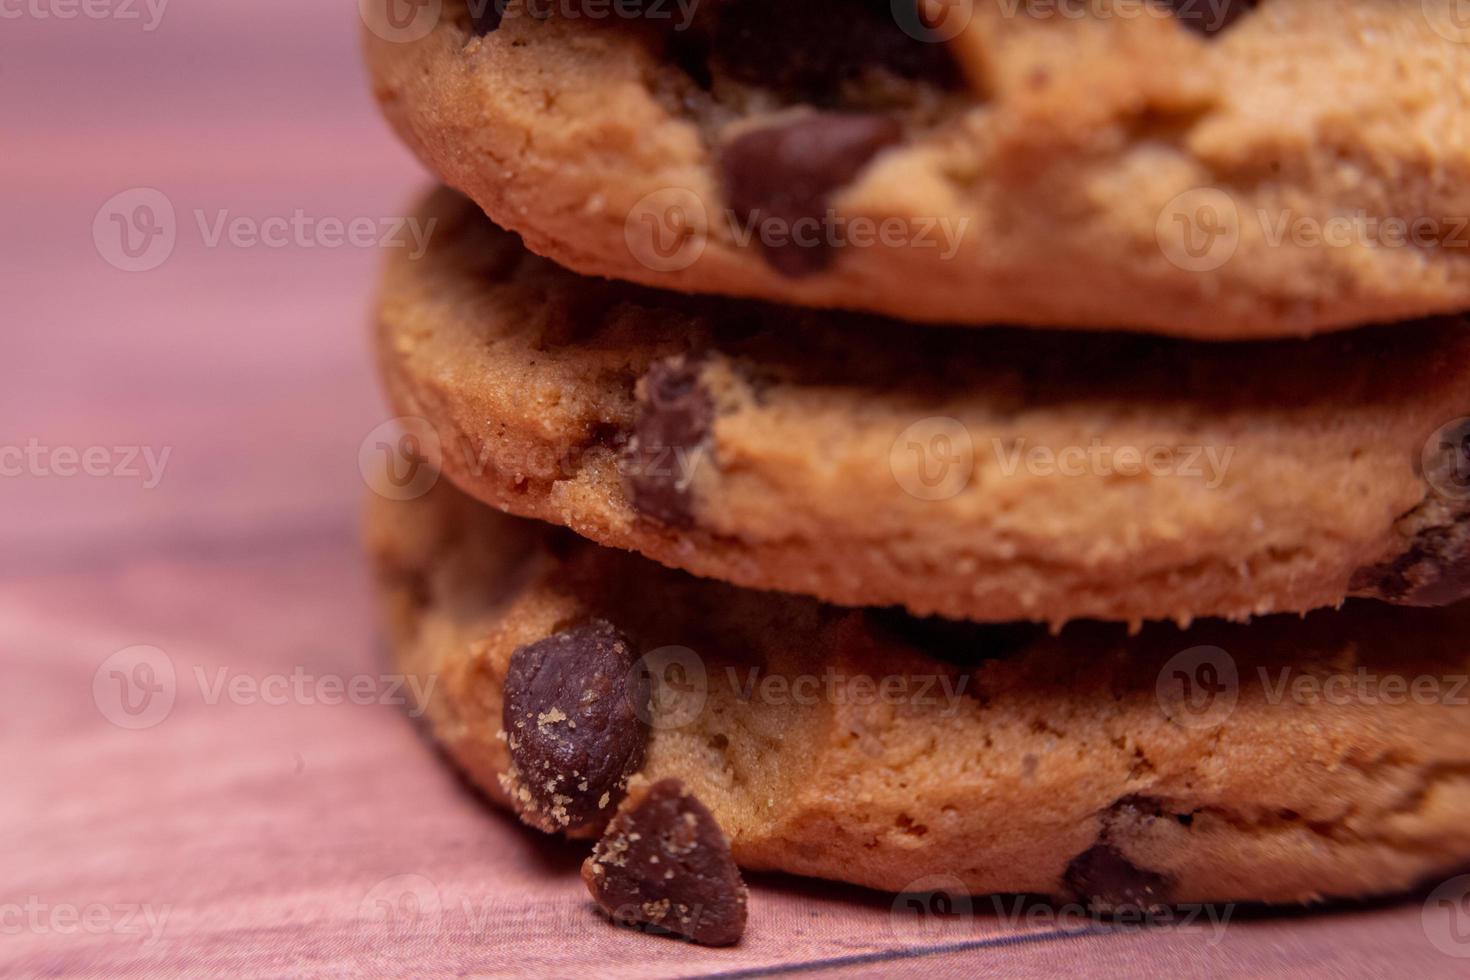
[271,835]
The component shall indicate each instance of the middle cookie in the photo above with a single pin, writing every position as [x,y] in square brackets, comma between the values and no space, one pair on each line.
[988,475]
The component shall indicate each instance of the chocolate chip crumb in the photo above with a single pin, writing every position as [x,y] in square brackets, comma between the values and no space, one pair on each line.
[664,863]
[780,180]
[670,440]
[1107,881]
[571,720]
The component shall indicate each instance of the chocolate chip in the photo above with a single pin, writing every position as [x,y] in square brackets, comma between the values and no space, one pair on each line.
[670,439]
[571,720]
[1107,881]
[486,15]
[808,51]
[779,182]
[1209,17]
[1434,571]
[664,863]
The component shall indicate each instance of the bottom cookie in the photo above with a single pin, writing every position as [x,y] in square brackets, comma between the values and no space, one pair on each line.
[1283,761]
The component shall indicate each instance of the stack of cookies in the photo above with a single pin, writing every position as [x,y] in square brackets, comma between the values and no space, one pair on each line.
[1147,597]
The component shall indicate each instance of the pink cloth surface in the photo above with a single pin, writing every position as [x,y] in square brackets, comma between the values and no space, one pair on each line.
[201,806]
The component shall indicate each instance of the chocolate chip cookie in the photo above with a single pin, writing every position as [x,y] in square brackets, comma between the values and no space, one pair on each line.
[1281,761]
[991,475]
[1204,169]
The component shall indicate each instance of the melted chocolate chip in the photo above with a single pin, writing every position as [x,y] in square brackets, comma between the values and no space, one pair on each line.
[664,863]
[809,50]
[571,720]
[1434,571]
[1209,17]
[780,181]
[1106,880]
[486,15]
[676,416]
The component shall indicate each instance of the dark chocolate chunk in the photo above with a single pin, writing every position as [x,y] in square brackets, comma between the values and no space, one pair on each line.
[780,180]
[665,864]
[486,15]
[676,416]
[1107,881]
[571,718]
[808,51]
[1209,17]
[1434,571]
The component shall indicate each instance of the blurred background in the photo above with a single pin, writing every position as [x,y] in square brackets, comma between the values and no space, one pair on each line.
[189,787]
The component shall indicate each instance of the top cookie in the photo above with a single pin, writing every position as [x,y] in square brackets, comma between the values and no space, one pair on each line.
[1204,168]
